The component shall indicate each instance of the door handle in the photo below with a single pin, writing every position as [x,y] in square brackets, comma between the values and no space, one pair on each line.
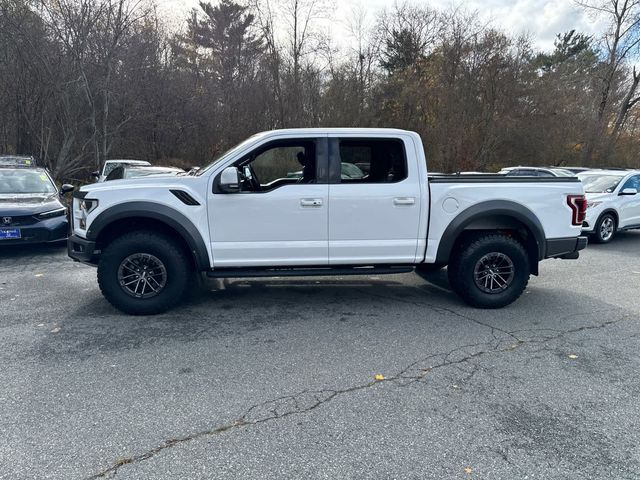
[404,201]
[311,202]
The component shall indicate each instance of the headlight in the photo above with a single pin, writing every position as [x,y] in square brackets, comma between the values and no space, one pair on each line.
[58,212]
[593,204]
[88,205]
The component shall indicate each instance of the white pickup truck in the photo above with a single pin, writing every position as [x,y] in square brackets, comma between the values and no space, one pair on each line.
[308,202]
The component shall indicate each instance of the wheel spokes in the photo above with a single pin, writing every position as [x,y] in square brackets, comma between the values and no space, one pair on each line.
[494,272]
[142,275]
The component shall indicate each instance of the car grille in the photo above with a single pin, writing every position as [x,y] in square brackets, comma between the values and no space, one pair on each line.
[19,221]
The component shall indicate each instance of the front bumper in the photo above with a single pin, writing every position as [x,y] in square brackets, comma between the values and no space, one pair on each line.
[82,250]
[593,213]
[566,248]
[45,231]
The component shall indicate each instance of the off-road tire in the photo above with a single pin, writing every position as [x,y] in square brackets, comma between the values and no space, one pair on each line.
[179,273]
[469,254]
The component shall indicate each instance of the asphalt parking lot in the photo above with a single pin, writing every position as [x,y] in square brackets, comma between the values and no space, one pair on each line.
[275,379]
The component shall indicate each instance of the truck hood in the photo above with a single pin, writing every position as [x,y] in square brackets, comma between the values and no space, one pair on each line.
[27,204]
[152,181]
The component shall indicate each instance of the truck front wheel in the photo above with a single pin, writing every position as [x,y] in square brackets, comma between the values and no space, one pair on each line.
[143,273]
[489,270]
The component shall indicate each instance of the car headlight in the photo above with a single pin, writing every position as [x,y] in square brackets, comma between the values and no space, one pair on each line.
[88,205]
[593,204]
[58,212]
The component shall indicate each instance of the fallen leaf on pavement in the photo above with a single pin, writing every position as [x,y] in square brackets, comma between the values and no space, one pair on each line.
[379,377]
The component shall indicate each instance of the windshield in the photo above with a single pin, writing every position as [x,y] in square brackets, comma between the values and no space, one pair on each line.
[16,181]
[561,172]
[16,161]
[133,173]
[224,155]
[600,183]
[112,165]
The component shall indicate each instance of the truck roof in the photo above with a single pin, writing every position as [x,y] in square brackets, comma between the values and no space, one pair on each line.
[335,130]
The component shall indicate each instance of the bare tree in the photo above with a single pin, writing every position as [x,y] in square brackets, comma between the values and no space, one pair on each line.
[94,34]
[622,42]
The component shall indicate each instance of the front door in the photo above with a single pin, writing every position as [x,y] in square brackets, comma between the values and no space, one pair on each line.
[279,218]
[374,202]
[630,204]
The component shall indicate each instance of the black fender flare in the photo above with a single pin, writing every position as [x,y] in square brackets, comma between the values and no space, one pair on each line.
[484,210]
[154,211]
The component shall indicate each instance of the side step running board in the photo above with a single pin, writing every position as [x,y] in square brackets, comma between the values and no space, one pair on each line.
[305,272]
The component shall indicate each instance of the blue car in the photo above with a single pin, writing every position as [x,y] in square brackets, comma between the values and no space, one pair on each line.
[30,206]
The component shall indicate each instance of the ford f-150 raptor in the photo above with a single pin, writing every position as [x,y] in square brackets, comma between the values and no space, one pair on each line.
[246,215]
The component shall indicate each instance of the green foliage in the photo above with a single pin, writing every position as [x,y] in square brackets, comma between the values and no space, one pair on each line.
[402,49]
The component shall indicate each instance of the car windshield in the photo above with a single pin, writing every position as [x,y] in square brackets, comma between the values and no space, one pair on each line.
[349,170]
[600,183]
[16,161]
[133,173]
[561,172]
[17,181]
[110,166]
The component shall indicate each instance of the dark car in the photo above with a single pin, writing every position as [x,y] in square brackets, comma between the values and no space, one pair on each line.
[30,207]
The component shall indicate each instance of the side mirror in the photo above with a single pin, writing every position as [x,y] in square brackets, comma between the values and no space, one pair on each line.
[629,191]
[66,188]
[230,180]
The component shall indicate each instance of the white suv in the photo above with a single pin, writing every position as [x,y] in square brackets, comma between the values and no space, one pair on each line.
[613,202]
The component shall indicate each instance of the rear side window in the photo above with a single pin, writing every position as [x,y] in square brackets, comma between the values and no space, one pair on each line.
[372,161]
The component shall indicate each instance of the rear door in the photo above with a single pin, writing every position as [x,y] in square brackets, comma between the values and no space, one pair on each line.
[374,200]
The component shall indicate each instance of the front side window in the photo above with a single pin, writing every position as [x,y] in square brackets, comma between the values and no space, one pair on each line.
[372,161]
[279,164]
[633,182]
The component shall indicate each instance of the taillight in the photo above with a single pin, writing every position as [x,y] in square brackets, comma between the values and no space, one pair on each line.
[578,205]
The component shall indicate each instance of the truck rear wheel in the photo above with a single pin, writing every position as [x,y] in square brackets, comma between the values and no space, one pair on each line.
[489,270]
[143,273]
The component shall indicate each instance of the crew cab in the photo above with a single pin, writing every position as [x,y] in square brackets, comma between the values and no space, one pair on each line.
[244,216]
[613,202]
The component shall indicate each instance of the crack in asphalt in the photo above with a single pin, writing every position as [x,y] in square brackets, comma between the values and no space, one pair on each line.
[308,400]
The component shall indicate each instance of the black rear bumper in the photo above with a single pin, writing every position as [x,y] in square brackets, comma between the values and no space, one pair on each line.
[566,248]
[82,250]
